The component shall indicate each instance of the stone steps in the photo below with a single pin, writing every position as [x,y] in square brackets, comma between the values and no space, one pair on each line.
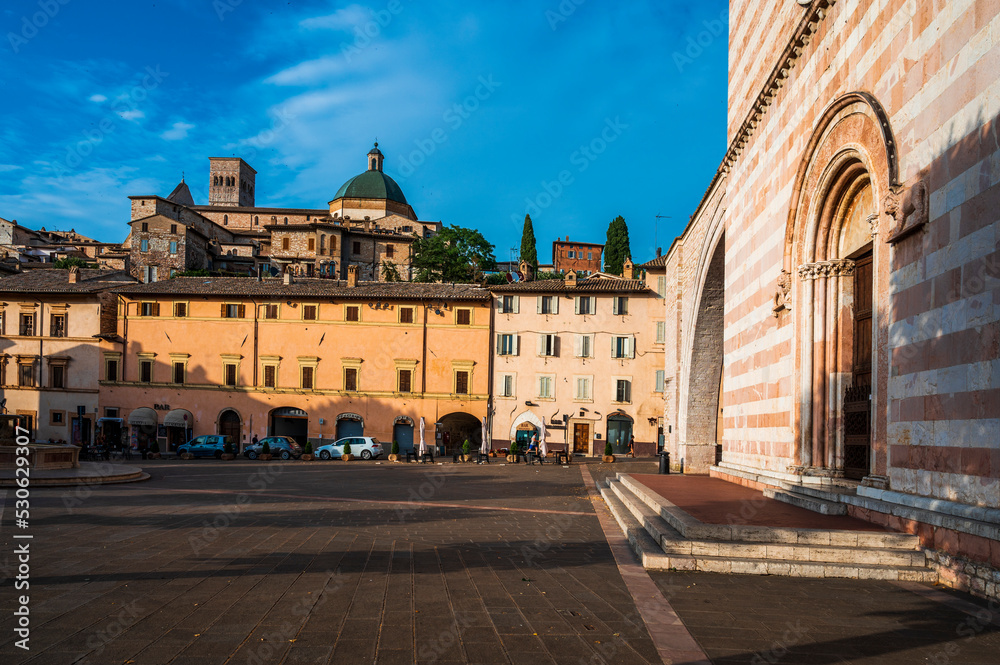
[807,501]
[660,546]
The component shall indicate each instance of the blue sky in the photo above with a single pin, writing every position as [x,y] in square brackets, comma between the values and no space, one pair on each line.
[577,111]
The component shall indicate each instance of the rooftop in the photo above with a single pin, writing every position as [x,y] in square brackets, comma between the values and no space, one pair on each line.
[57,281]
[307,288]
[582,286]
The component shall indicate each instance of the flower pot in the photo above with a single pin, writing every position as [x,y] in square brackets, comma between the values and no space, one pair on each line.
[347,458]
[183,455]
[493,453]
[264,457]
[466,458]
[393,457]
[511,458]
[228,456]
[306,458]
[609,458]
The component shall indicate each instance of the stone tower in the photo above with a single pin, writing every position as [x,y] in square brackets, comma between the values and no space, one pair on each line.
[231,182]
[375,159]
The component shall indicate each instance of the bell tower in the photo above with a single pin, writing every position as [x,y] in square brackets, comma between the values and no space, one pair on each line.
[375,159]
[231,182]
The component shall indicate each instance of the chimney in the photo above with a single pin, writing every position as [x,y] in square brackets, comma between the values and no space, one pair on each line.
[352,276]
[659,251]
[571,279]
[567,238]
[628,269]
[288,276]
[74,274]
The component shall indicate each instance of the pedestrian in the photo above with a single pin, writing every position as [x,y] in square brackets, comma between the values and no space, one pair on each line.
[631,446]
[253,441]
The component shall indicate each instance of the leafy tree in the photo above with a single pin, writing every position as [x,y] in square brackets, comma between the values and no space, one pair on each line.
[390,272]
[455,254]
[69,262]
[190,273]
[616,250]
[529,252]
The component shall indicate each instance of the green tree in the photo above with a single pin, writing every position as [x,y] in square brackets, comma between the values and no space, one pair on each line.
[455,254]
[69,262]
[616,249]
[390,272]
[529,252]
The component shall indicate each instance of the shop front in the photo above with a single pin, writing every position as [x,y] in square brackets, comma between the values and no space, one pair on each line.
[178,426]
[142,424]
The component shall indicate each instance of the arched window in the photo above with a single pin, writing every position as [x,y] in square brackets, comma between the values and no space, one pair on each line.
[225,220]
[286,220]
[256,221]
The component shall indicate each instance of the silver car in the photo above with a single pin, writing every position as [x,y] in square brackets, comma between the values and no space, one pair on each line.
[365,447]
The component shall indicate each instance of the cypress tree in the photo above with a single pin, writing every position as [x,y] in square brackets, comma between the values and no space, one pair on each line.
[616,249]
[528,251]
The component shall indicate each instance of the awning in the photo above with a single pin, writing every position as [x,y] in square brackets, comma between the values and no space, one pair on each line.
[142,416]
[179,418]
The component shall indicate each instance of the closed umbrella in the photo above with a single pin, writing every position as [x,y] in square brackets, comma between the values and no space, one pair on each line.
[484,449]
[543,448]
[423,444]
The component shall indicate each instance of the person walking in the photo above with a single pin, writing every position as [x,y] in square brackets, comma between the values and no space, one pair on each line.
[631,446]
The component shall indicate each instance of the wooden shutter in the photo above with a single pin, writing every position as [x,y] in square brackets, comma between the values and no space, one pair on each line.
[517,304]
[517,345]
[222,313]
[242,311]
[555,304]
[538,304]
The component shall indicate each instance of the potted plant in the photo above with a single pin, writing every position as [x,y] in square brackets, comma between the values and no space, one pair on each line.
[466,447]
[394,452]
[265,452]
[227,451]
[307,452]
[609,455]
[347,456]
[512,454]
[154,451]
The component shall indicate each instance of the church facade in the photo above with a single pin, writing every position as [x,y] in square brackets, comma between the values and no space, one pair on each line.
[836,295]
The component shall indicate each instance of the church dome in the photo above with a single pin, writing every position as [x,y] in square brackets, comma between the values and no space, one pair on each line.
[373,183]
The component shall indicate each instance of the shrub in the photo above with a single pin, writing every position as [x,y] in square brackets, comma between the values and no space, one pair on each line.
[395,447]
[227,447]
[513,447]
[154,447]
[608,450]
[308,450]
[347,448]
[265,449]
[466,447]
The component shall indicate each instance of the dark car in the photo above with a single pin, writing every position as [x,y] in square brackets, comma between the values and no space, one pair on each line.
[284,447]
[210,445]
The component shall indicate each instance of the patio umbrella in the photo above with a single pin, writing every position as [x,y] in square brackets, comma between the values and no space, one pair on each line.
[543,447]
[484,449]
[423,445]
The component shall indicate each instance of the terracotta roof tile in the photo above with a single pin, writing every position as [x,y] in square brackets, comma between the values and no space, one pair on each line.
[307,288]
[582,286]
[57,281]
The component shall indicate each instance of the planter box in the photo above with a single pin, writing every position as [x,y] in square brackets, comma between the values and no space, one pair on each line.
[265,458]
[347,458]
[306,458]
[227,456]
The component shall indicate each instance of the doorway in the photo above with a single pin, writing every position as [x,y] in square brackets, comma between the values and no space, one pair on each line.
[402,433]
[292,422]
[858,396]
[581,438]
[619,433]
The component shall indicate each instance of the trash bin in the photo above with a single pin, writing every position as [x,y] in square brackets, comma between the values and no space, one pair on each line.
[664,462]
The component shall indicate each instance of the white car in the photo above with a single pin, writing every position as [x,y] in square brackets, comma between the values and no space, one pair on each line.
[365,447]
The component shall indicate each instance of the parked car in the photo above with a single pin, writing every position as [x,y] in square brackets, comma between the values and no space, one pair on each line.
[284,447]
[365,447]
[210,445]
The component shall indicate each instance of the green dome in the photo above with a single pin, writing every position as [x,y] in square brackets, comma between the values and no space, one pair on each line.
[371,185]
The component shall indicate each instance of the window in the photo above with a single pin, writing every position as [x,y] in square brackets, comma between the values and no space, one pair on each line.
[463,317]
[405,380]
[352,313]
[309,312]
[585,305]
[590,256]
[270,311]
[57,376]
[57,325]
[270,376]
[620,305]
[311,244]
[56,418]
[225,220]
[285,244]
[661,286]
[545,387]
[461,382]
[508,345]
[570,255]
[306,377]
[229,369]
[509,304]
[173,246]
[145,371]
[180,309]
[351,379]
[661,332]
[111,370]
[26,375]
[145,227]
[623,347]
[406,315]
[3,321]
[584,346]
[623,391]
[390,251]
[333,244]
[356,247]
[178,372]
[661,383]
[110,412]
[173,229]
[149,309]
[27,327]
[233,311]
[505,386]
[583,387]
[144,245]
[548,305]
[548,345]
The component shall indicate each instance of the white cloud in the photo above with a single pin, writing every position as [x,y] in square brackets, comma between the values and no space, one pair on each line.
[310,71]
[342,19]
[98,98]
[177,132]
[132,114]
[4,168]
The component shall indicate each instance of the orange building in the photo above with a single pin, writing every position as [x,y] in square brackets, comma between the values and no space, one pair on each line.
[308,358]
[584,258]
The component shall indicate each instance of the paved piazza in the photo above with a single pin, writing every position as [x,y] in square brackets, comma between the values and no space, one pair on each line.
[240,562]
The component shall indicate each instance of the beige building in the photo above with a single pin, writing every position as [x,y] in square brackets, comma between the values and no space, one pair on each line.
[51,327]
[584,356]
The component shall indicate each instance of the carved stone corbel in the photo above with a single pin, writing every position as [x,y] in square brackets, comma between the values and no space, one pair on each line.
[783,296]
[913,212]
